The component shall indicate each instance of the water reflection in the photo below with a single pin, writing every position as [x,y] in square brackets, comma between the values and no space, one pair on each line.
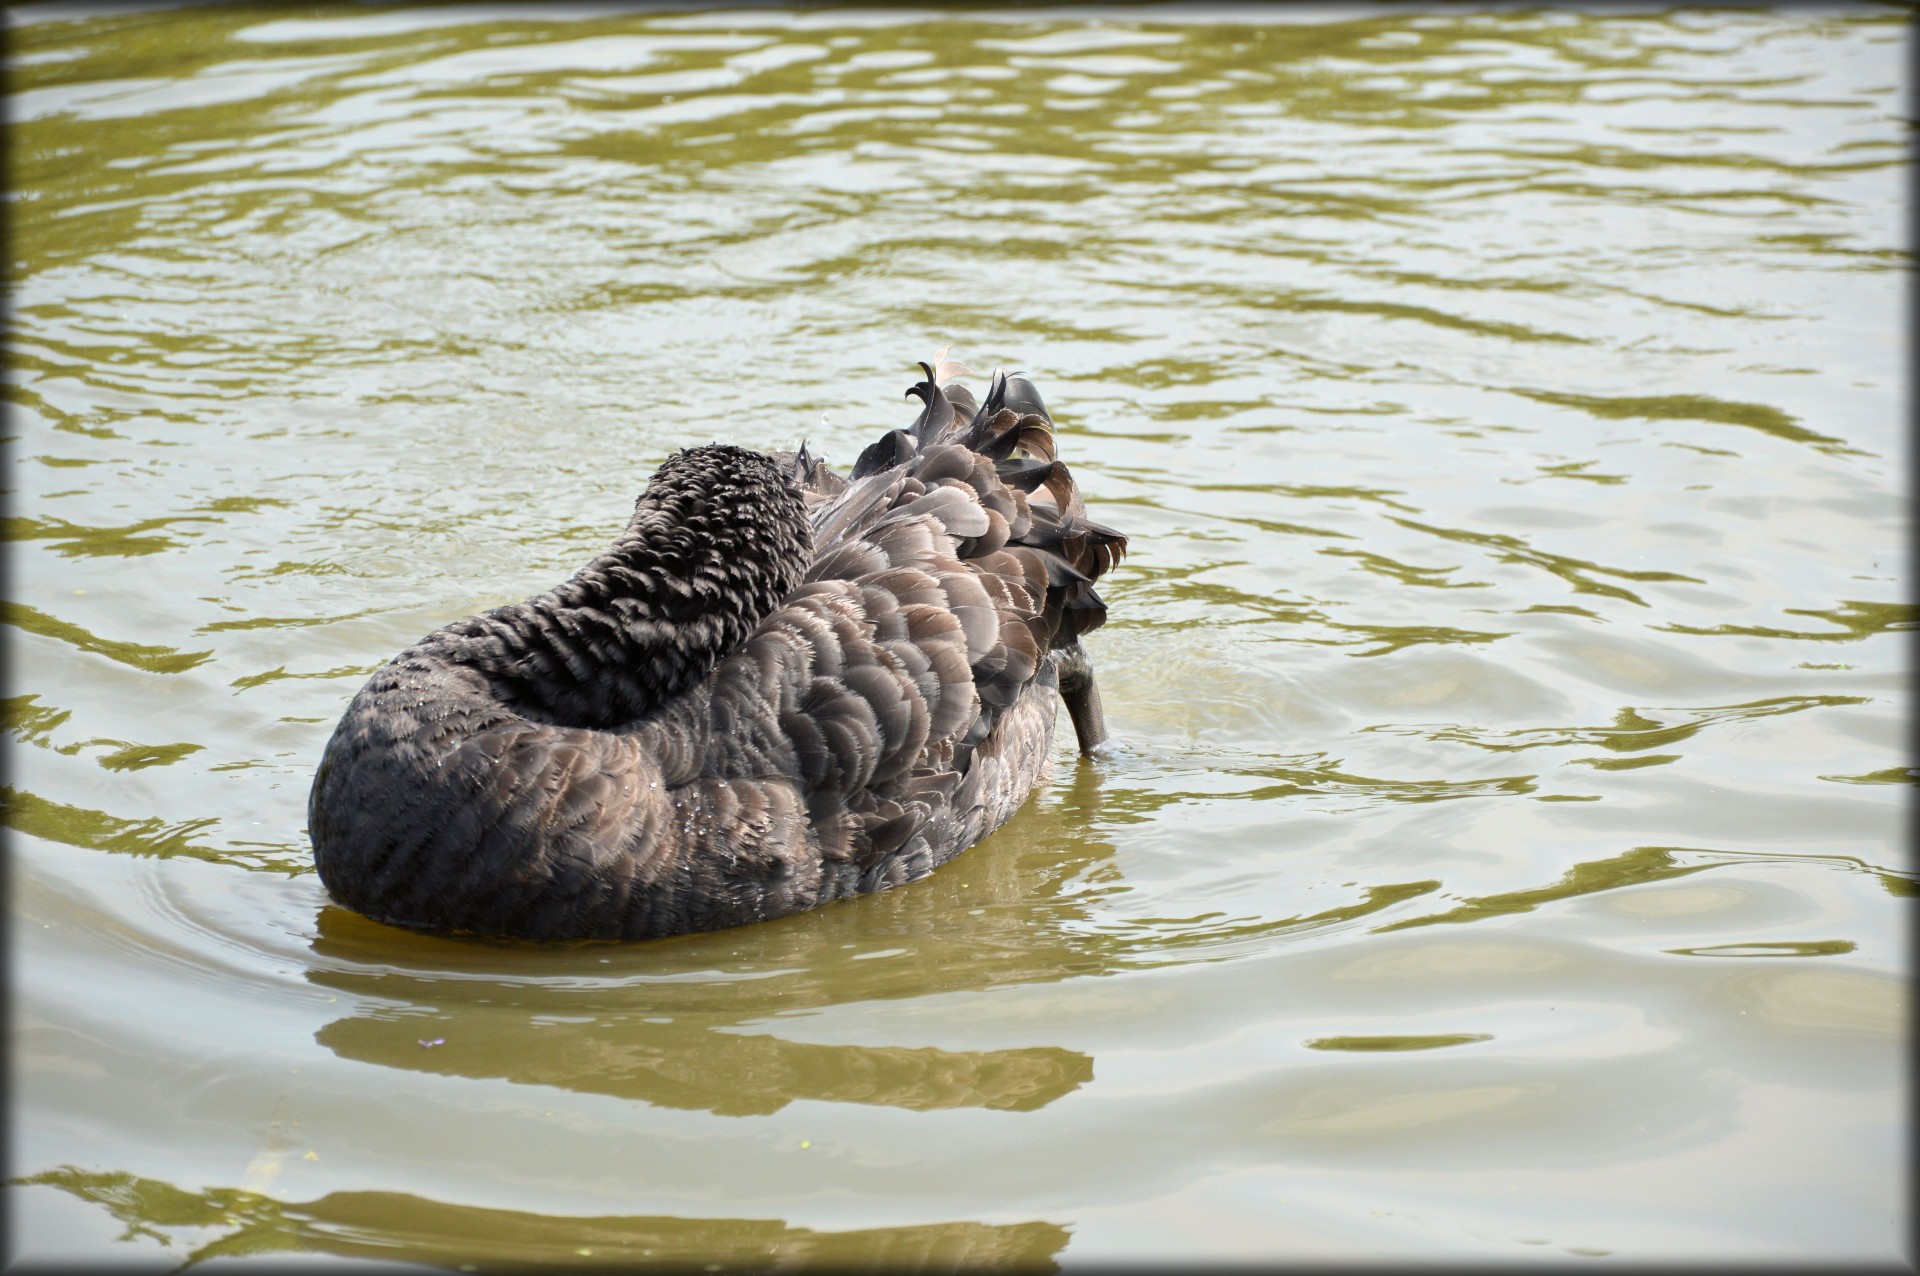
[692,1022]
[148,659]
[1371,1045]
[1578,573]
[1639,866]
[1633,730]
[1854,620]
[1783,948]
[678,1064]
[36,816]
[232,1223]
[1695,407]
[1644,865]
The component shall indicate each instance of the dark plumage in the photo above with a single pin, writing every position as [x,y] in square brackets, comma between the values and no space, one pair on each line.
[778,687]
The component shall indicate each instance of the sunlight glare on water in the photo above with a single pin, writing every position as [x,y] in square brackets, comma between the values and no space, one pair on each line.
[1502,854]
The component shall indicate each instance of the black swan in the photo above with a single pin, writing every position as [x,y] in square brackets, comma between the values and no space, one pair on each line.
[778,687]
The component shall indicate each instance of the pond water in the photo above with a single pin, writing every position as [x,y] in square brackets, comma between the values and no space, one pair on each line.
[1503,852]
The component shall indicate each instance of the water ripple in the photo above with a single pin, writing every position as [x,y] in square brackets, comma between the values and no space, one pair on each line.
[1543,359]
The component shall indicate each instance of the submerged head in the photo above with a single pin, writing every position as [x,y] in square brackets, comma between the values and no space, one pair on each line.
[730,521]
[726,489]
[719,469]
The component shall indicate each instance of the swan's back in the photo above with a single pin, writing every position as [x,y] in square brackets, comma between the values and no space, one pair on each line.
[779,687]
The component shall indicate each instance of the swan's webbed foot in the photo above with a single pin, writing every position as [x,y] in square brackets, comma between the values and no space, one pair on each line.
[1082,698]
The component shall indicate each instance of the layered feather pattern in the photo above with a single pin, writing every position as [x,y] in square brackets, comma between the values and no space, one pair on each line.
[777,688]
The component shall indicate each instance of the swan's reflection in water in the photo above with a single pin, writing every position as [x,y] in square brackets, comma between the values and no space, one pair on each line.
[680,1065]
[231,1223]
[693,1022]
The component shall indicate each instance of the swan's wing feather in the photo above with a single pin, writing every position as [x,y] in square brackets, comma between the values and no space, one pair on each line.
[977,520]
[919,625]
[858,675]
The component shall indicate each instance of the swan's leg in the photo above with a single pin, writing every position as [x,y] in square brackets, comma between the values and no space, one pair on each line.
[1082,698]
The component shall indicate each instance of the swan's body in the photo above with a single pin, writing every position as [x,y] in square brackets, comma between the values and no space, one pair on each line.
[777,688]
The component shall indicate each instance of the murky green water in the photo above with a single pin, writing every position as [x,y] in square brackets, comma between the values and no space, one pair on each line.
[1504,855]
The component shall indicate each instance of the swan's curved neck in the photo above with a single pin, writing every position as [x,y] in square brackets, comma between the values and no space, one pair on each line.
[718,538]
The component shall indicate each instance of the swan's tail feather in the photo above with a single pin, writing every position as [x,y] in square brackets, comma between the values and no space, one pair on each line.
[1014,391]
[895,447]
[985,476]
[937,416]
[1007,455]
